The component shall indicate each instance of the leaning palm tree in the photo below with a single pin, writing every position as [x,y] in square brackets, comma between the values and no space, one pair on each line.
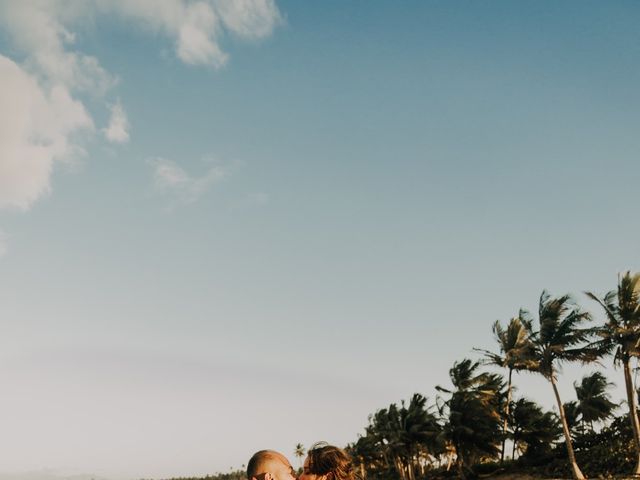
[594,402]
[621,335]
[558,340]
[515,352]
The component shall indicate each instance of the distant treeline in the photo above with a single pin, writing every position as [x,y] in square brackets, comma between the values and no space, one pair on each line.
[233,475]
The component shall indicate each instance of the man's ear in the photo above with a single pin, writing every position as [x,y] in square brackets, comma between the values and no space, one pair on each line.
[268,476]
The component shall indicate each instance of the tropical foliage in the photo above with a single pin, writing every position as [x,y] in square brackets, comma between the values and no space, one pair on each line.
[406,437]
[477,417]
[594,402]
[560,339]
[620,336]
[471,413]
[515,354]
[534,431]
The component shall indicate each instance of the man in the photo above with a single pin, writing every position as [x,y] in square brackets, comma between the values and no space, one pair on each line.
[270,465]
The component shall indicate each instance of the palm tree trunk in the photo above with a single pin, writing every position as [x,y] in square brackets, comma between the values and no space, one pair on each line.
[575,470]
[633,411]
[400,467]
[362,470]
[506,417]
[410,472]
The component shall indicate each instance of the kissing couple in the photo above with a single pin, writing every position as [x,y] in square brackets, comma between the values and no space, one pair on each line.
[323,462]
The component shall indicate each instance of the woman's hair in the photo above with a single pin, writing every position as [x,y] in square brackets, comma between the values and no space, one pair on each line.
[325,459]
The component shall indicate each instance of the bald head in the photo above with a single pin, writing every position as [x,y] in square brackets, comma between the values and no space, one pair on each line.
[269,465]
[258,462]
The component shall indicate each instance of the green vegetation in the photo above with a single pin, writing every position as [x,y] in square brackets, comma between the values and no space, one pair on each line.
[464,432]
[232,475]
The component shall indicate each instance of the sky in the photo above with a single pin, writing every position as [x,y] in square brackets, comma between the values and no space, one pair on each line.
[235,225]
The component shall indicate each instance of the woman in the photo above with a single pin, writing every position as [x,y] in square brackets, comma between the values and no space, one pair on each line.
[326,462]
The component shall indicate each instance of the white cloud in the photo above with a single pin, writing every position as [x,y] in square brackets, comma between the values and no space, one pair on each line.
[196,39]
[196,27]
[36,130]
[42,120]
[36,28]
[172,179]
[39,117]
[118,129]
[40,114]
[252,19]
[43,30]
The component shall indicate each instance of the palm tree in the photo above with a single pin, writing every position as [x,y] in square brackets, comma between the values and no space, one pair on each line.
[559,340]
[471,414]
[534,430]
[594,402]
[515,349]
[621,334]
[406,434]
[382,433]
[299,452]
[572,415]
[367,455]
[418,433]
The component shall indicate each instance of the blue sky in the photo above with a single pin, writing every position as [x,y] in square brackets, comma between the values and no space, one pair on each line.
[229,228]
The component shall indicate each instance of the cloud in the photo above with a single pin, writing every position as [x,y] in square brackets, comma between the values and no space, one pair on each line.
[170,178]
[196,27]
[36,29]
[43,121]
[42,29]
[37,128]
[40,120]
[252,19]
[196,39]
[118,129]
